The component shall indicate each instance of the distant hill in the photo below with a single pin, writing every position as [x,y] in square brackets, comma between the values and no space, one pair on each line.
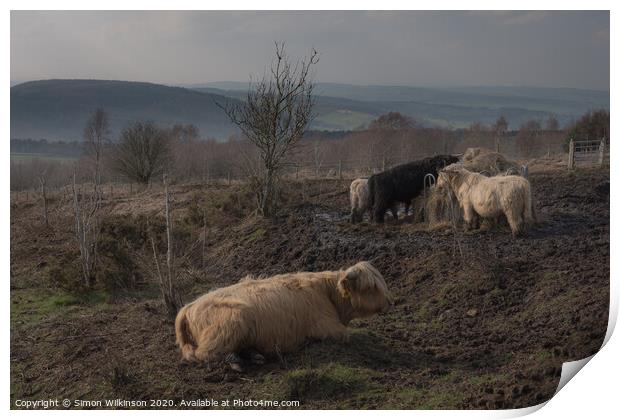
[58,109]
[450,106]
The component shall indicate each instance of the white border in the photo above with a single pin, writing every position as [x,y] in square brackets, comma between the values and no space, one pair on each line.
[592,394]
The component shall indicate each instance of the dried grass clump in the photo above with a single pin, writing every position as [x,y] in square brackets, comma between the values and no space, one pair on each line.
[438,207]
[472,152]
[490,163]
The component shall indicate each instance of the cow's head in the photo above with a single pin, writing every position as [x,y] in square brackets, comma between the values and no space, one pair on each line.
[441,161]
[448,175]
[366,289]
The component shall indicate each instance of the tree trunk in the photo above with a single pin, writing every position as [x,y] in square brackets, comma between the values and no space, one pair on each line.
[172,300]
[266,199]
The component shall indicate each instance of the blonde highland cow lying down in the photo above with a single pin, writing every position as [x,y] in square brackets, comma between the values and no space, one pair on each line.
[278,314]
[489,198]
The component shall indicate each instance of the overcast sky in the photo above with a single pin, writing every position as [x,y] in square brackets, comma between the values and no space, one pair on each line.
[555,49]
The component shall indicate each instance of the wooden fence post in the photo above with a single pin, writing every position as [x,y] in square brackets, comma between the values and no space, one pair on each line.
[601,152]
[571,154]
[340,169]
[497,144]
[43,183]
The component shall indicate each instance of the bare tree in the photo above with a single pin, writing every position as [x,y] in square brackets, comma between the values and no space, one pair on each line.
[143,152]
[478,133]
[552,124]
[386,130]
[187,150]
[274,117]
[318,154]
[25,173]
[96,137]
[170,295]
[501,126]
[593,125]
[87,206]
[86,210]
[528,138]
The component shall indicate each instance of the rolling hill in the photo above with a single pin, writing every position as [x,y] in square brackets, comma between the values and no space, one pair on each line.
[58,109]
[451,106]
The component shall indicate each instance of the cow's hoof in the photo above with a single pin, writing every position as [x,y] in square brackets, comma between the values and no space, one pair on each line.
[235,363]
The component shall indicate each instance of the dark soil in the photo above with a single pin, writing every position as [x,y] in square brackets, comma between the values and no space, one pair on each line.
[481,320]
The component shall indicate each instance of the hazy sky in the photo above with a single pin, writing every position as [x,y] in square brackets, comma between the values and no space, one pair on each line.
[556,49]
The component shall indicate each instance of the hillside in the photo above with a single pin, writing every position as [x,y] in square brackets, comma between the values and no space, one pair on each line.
[451,106]
[58,109]
[481,320]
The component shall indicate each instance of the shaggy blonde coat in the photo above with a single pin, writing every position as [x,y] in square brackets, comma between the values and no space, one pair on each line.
[280,313]
[360,199]
[489,198]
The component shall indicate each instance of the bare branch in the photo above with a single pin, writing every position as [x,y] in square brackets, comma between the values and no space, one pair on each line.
[275,115]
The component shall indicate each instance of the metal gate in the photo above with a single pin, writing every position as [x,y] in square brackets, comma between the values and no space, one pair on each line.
[587,152]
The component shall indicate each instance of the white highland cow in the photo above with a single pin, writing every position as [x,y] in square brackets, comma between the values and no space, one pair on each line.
[360,199]
[489,198]
[278,314]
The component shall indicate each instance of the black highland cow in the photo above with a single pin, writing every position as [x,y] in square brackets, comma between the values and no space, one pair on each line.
[402,183]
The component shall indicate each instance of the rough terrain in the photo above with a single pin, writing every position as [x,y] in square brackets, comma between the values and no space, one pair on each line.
[481,320]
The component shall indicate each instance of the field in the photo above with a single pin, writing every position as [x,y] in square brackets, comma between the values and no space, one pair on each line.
[17,157]
[342,119]
[481,320]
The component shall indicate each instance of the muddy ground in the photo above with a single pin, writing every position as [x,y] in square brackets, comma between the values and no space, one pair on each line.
[481,320]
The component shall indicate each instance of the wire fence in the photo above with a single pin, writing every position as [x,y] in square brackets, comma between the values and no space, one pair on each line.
[584,152]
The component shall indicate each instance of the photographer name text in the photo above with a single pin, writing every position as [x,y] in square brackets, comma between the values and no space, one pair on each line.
[120,403]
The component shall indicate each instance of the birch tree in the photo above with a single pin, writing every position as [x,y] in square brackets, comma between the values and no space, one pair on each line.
[274,116]
[87,204]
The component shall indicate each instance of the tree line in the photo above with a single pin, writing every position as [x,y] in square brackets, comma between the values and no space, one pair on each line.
[183,153]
